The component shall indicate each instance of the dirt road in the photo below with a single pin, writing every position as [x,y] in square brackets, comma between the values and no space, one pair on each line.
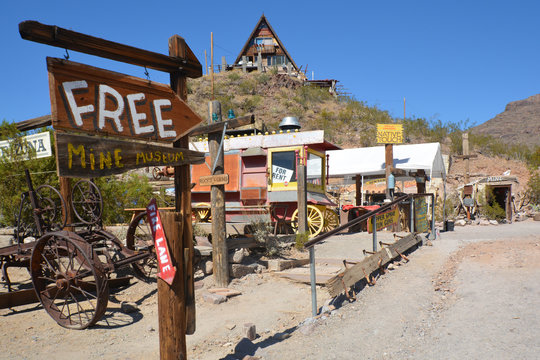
[474,294]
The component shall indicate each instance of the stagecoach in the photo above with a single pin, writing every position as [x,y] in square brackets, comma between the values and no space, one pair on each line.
[262,186]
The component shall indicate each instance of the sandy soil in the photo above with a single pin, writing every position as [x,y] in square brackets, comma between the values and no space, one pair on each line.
[474,294]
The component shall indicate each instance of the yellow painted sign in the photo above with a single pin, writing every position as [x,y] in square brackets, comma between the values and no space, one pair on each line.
[389,133]
[384,220]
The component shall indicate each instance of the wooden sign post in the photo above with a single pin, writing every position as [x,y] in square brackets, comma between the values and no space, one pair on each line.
[389,134]
[220,250]
[100,102]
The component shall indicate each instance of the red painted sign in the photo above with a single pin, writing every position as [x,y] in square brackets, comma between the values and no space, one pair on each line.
[166,268]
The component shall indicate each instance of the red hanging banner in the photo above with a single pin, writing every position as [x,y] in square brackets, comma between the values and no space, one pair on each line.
[166,269]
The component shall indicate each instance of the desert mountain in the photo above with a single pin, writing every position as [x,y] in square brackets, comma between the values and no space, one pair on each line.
[519,123]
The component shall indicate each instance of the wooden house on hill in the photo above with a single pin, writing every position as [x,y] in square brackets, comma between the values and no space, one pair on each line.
[264,50]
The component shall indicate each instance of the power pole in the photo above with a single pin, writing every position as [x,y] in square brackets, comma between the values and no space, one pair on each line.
[465,137]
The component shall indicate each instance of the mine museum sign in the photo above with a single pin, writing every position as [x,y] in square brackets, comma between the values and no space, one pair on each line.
[89,99]
[94,156]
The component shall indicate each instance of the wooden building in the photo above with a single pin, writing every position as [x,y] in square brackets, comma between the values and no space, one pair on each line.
[264,50]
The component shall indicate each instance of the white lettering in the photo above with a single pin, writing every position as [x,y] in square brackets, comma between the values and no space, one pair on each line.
[114,114]
[161,123]
[69,86]
[166,268]
[138,117]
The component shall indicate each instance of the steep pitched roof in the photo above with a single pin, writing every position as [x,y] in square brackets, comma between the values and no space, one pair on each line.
[246,45]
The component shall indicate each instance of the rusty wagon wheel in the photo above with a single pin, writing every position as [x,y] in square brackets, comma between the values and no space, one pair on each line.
[87,202]
[315,220]
[69,280]
[52,209]
[331,220]
[139,238]
[157,174]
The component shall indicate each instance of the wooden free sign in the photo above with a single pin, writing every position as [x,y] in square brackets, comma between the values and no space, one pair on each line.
[89,99]
[94,156]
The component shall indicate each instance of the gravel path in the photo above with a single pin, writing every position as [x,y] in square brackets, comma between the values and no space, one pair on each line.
[474,294]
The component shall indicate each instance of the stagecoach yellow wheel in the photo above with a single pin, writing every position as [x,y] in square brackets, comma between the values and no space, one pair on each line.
[201,212]
[331,220]
[315,220]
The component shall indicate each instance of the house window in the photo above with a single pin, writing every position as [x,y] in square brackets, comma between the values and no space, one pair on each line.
[264,41]
[277,60]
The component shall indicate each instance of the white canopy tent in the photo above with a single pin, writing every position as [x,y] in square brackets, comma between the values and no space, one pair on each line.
[371,160]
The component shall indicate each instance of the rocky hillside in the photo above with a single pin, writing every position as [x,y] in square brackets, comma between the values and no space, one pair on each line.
[270,97]
[518,124]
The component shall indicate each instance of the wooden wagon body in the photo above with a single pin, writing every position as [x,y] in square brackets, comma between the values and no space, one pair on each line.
[262,170]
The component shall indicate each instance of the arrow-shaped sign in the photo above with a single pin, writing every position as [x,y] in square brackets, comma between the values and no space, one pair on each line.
[166,268]
[95,156]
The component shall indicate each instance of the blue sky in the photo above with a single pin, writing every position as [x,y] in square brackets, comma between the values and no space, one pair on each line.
[451,60]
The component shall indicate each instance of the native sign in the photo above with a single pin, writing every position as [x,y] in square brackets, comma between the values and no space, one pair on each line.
[166,269]
[89,99]
[389,133]
[94,156]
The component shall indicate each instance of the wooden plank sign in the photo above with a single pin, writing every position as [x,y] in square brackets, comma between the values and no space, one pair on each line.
[94,156]
[222,179]
[389,133]
[89,99]
[384,220]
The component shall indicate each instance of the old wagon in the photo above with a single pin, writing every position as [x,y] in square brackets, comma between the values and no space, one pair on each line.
[262,186]
[71,270]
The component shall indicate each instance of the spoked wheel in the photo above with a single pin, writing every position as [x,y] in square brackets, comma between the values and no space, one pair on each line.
[314,218]
[51,208]
[87,202]
[139,238]
[69,280]
[331,220]
[156,173]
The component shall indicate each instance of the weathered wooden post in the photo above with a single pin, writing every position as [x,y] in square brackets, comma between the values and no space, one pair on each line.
[244,64]
[259,61]
[303,229]
[465,138]
[223,63]
[176,303]
[219,232]
[389,160]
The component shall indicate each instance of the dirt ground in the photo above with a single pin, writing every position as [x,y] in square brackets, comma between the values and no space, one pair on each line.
[474,294]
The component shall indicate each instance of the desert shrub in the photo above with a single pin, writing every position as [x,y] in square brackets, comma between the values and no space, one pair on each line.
[262,78]
[131,191]
[490,208]
[234,76]
[309,95]
[532,191]
[12,175]
[248,86]
[262,233]
[250,103]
